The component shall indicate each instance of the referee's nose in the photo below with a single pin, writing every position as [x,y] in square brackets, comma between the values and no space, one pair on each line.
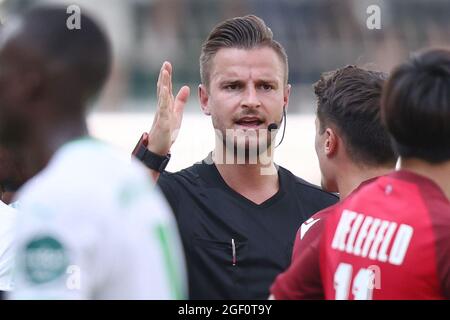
[250,98]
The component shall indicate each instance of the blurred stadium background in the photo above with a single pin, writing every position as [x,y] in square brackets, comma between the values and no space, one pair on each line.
[318,35]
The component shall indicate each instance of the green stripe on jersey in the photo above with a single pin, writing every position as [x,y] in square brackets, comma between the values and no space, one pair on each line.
[174,276]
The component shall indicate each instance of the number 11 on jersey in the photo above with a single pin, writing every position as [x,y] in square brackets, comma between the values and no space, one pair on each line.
[363,283]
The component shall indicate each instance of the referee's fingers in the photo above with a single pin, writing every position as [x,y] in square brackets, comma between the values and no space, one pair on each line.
[159,83]
[181,98]
[170,71]
[163,104]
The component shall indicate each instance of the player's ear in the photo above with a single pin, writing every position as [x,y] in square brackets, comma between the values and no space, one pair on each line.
[331,142]
[204,98]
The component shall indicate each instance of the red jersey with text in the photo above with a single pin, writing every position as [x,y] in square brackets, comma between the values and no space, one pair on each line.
[391,240]
[301,281]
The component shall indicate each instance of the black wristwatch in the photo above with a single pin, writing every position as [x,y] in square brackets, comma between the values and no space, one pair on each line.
[149,159]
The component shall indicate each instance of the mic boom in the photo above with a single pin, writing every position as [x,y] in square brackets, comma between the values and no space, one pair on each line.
[274,126]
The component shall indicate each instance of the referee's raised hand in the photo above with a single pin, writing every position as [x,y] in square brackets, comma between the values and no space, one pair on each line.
[169,113]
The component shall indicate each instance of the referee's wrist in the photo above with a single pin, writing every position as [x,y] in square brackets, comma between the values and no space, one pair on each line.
[151,159]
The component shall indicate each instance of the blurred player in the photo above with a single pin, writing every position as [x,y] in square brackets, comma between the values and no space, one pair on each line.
[12,176]
[353,147]
[7,219]
[90,225]
[391,240]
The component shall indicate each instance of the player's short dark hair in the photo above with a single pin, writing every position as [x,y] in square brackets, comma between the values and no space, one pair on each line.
[416,106]
[247,32]
[85,52]
[349,99]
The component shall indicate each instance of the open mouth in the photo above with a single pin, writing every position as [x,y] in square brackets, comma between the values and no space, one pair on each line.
[249,122]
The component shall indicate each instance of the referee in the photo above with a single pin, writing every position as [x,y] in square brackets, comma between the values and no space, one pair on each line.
[237,222]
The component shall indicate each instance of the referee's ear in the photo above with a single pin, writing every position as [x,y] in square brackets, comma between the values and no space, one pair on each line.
[286,94]
[204,98]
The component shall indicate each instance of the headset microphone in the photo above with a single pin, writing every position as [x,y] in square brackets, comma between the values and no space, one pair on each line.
[274,126]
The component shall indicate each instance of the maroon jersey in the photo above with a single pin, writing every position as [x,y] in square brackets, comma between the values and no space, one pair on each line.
[302,279]
[390,240]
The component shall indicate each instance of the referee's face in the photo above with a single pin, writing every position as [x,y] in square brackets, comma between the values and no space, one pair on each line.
[247,92]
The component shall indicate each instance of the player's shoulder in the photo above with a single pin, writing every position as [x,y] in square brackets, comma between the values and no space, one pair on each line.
[325,213]
[87,172]
[94,159]
[5,210]
[406,187]
[316,222]
[92,155]
[422,190]
[310,231]
[7,219]
[412,181]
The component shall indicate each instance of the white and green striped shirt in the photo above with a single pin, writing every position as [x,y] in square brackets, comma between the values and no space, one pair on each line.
[92,226]
[7,220]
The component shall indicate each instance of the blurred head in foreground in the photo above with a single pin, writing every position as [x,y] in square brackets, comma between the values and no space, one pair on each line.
[416,107]
[49,72]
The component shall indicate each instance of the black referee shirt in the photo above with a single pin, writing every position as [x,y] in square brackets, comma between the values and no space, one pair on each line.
[211,216]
